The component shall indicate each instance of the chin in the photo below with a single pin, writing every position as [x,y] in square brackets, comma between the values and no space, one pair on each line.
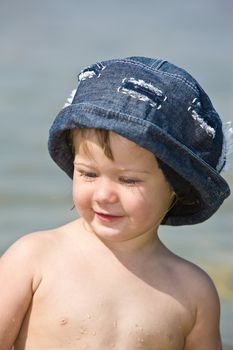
[109,233]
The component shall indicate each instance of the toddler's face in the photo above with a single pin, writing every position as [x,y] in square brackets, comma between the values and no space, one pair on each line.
[118,199]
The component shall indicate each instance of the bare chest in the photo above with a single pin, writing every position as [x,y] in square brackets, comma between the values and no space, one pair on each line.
[88,310]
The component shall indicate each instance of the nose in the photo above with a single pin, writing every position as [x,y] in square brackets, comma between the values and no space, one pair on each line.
[106,192]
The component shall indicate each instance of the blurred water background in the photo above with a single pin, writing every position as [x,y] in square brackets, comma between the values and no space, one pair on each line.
[44,44]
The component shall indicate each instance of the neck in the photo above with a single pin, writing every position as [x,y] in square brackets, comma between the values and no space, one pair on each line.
[143,245]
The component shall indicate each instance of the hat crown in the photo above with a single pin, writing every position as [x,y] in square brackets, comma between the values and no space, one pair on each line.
[159,92]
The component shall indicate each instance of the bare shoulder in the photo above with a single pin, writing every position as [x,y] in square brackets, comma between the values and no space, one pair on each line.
[204,302]
[28,247]
[29,251]
[23,258]
[205,333]
[197,283]
[21,272]
[37,241]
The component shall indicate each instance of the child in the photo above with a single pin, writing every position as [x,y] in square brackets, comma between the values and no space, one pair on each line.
[145,147]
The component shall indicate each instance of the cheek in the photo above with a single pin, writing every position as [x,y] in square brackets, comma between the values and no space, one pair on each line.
[137,202]
[149,202]
[81,196]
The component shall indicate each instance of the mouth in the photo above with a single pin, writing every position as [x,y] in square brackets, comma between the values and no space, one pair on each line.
[107,217]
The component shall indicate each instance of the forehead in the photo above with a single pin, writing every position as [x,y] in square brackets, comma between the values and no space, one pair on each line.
[123,150]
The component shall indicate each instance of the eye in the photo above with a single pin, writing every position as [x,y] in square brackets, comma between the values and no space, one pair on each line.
[129,181]
[88,174]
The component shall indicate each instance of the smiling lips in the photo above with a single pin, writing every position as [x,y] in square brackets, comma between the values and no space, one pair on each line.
[107,217]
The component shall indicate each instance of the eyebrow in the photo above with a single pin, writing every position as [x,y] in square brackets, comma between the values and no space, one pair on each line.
[134,171]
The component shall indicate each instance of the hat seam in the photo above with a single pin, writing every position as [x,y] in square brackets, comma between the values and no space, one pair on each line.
[175,76]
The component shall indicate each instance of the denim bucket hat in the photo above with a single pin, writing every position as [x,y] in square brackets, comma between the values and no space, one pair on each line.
[162,108]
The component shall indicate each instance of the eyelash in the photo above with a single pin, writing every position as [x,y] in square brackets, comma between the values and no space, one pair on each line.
[129,181]
[88,174]
[125,180]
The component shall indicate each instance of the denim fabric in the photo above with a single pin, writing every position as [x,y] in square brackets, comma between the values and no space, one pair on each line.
[162,108]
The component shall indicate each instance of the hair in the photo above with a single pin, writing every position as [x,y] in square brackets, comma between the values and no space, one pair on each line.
[103,137]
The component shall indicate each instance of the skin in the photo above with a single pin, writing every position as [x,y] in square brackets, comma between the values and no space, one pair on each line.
[106,281]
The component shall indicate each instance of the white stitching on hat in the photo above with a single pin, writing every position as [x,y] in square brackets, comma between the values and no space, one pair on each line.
[227,147]
[139,95]
[153,70]
[149,86]
[91,71]
[70,98]
[86,75]
[209,130]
